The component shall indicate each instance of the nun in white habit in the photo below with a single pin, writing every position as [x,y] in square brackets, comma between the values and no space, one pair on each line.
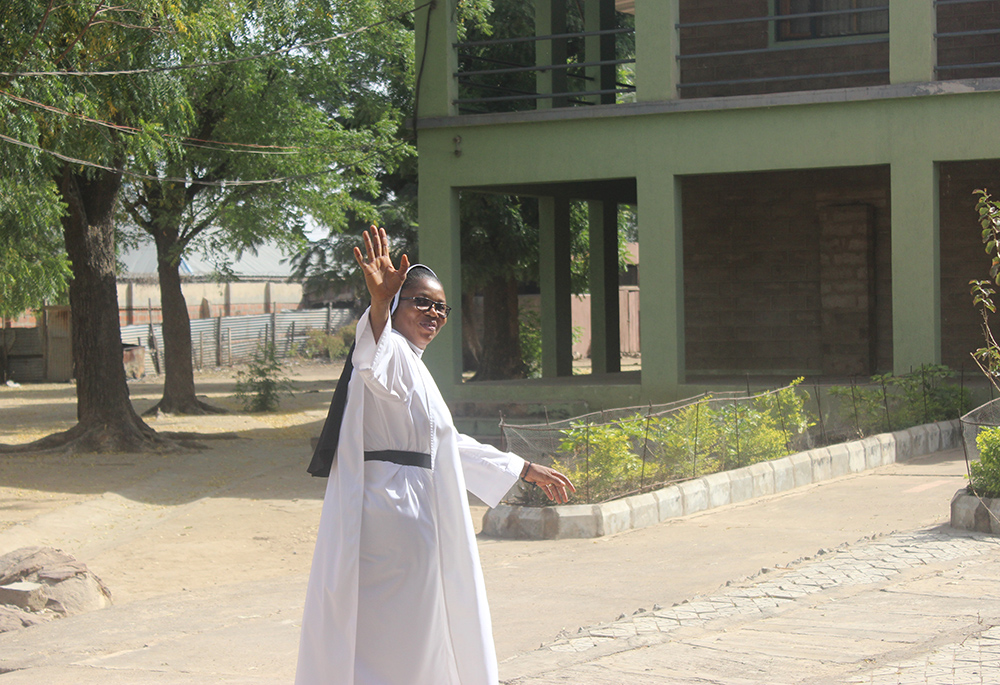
[396,593]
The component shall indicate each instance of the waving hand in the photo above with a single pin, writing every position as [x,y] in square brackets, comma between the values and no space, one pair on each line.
[381,277]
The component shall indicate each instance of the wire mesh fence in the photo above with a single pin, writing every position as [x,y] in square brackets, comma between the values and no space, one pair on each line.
[975,422]
[620,452]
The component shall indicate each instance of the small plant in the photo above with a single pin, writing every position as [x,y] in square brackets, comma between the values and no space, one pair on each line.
[333,346]
[260,386]
[985,473]
[683,442]
[921,396]
[926,398]
[605,461]
[530,334]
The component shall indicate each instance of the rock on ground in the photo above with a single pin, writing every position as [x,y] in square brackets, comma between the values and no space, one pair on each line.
[41,583]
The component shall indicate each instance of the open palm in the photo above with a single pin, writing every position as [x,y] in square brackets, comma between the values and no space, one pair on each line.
[381,277]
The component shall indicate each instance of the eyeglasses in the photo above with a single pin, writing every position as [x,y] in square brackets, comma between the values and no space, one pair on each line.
[425,305]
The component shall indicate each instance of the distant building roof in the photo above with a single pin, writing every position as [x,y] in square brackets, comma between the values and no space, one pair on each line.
[266,263]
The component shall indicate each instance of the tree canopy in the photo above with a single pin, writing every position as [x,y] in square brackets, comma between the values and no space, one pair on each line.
[180,108]
[293,124]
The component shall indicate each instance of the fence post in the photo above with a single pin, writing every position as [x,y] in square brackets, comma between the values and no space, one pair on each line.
[274,331]
[152,346]
[697,425]
[739,457]
[201,349]
[819,410]
[229,345]
[923,389]
[291,340]
[329,318]
[218,341]
[645,448]
[784,430]
[857,420]
[885,402]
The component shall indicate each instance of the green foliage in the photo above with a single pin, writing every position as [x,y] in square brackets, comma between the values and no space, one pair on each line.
[259,388]
[683,442]
[604,459]
[985,473]
[988,356]
[894,403]
[530,332]
[612,459]
[863,407]
[333,346]
[927,397]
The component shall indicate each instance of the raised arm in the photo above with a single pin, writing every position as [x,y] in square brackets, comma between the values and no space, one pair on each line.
[381,277]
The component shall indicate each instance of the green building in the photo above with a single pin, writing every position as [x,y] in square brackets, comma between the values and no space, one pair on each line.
[802,172]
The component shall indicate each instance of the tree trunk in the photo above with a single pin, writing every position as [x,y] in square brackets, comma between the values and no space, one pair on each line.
[107,421]
[4,341]
[472,347]
[501,356]
[178,383]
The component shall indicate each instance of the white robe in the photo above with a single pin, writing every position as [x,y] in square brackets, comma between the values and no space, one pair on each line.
[396,593]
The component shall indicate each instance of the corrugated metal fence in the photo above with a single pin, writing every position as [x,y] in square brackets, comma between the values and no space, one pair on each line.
[25,354]
[227,340]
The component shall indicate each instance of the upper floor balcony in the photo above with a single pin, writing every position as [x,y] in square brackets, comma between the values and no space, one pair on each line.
[581,53]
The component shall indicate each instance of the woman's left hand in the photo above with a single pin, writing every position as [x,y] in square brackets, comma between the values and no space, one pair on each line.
[555,485]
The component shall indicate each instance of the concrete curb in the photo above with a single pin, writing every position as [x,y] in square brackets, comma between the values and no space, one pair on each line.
[969,512]
[730,487]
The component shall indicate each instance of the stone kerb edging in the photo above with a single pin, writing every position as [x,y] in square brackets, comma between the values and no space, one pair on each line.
[718,489]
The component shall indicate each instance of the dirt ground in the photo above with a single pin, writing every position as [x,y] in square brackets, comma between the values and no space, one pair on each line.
[149,524]
[244,511]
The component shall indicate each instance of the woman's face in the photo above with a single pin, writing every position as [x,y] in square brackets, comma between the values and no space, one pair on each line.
[417,326]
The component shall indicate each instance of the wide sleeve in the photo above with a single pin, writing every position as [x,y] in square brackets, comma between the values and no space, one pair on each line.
[383,366]
[489,473]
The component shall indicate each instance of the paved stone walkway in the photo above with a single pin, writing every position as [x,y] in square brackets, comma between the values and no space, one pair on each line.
[973,659]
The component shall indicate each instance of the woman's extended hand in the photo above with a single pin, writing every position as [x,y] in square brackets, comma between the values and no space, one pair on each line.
[381,277]
[555,485]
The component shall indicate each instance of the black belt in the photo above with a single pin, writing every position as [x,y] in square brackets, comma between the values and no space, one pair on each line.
[401,457]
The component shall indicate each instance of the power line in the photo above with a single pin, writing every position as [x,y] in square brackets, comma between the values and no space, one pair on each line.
[177,179]
[190,142]
[235,60]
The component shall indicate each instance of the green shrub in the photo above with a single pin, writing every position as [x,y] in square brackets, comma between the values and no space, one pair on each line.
[748,436]
[333,346]
[985,480]
[927,399]
[897,402]
[682,442]
[626,455]
[530,336]
[260,386]
[863,408]
[603,460]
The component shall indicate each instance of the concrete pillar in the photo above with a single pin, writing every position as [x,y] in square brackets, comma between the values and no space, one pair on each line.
[599,15]
[916,264]
[662,284]
[554,280]
[912,47]
[656,48]
[436,59]
[605,336]
[550,18]
[440,248]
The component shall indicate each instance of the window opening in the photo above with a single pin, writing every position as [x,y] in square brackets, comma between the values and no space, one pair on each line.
[811,19]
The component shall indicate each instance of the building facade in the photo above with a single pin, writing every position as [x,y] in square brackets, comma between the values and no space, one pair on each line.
[802,171]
